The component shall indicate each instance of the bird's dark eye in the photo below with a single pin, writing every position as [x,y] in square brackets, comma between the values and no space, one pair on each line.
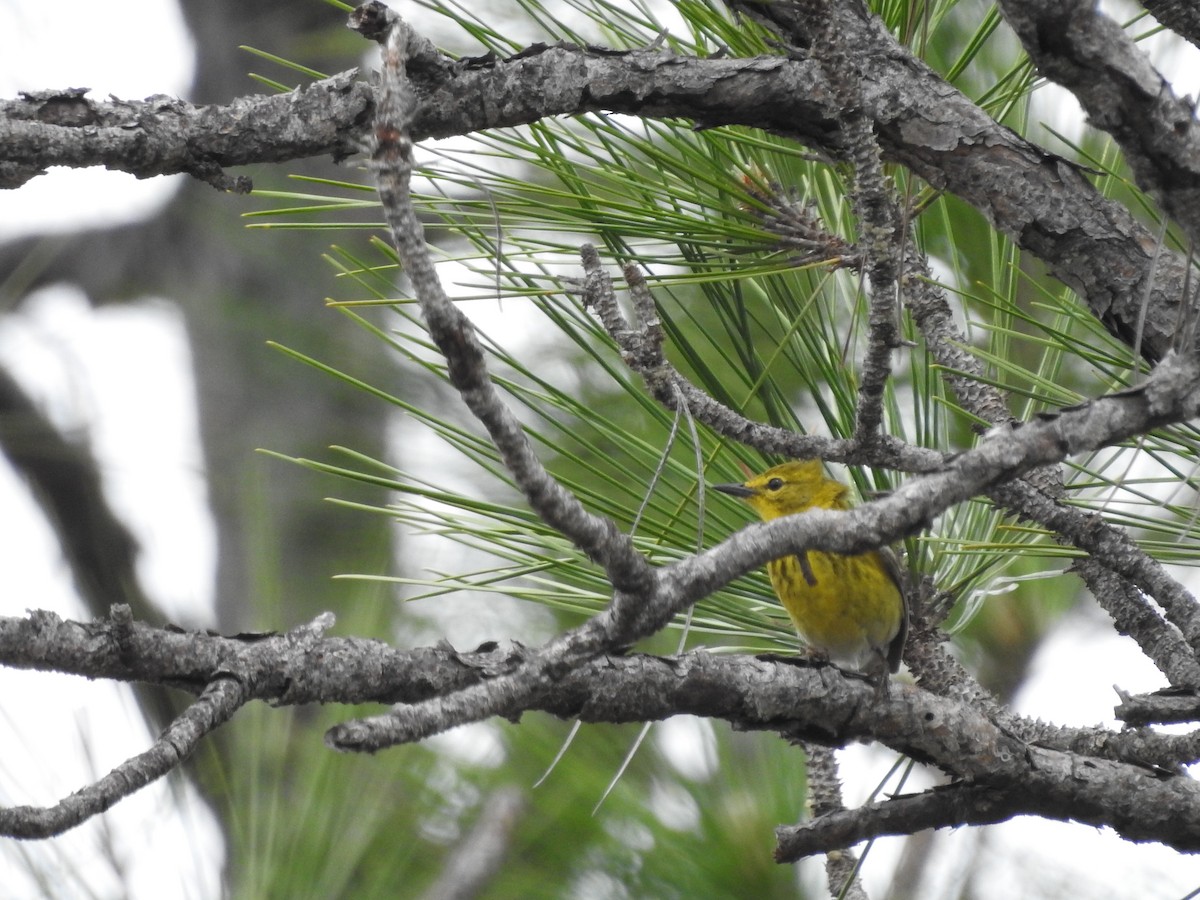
[774,484]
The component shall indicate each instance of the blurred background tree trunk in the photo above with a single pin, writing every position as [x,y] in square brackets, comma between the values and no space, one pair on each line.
[237,289]
[278,544]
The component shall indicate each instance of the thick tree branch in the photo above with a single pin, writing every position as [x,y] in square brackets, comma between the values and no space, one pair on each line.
[163,136]
[798,701]
[1044,204]
[1181,16]
[1077,46]
[302,666]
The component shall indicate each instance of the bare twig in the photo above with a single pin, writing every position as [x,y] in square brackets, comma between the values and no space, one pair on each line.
[454,335]
[825,797]
[220,700]
[164,136]
[223,696]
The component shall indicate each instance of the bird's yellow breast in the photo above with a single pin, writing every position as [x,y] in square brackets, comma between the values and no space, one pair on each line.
[847,607]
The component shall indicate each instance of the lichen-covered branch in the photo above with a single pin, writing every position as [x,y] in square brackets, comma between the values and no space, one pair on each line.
[1044,204]
[1109,784]
[1078,46]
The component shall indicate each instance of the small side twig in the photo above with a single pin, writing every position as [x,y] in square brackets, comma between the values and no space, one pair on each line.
[825,798]
[220,700]
[642,349]
[1161,708]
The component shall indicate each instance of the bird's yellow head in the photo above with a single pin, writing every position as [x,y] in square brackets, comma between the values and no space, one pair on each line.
[790,488]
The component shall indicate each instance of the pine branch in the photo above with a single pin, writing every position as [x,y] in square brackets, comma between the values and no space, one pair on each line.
[1043,203]
[1080,48]
[799,702]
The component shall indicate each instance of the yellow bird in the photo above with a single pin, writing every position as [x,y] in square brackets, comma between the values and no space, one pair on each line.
[850,609]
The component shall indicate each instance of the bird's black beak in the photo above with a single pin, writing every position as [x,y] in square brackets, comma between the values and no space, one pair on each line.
[733,490]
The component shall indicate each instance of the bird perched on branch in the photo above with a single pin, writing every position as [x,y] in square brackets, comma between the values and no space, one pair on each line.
[850,609]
